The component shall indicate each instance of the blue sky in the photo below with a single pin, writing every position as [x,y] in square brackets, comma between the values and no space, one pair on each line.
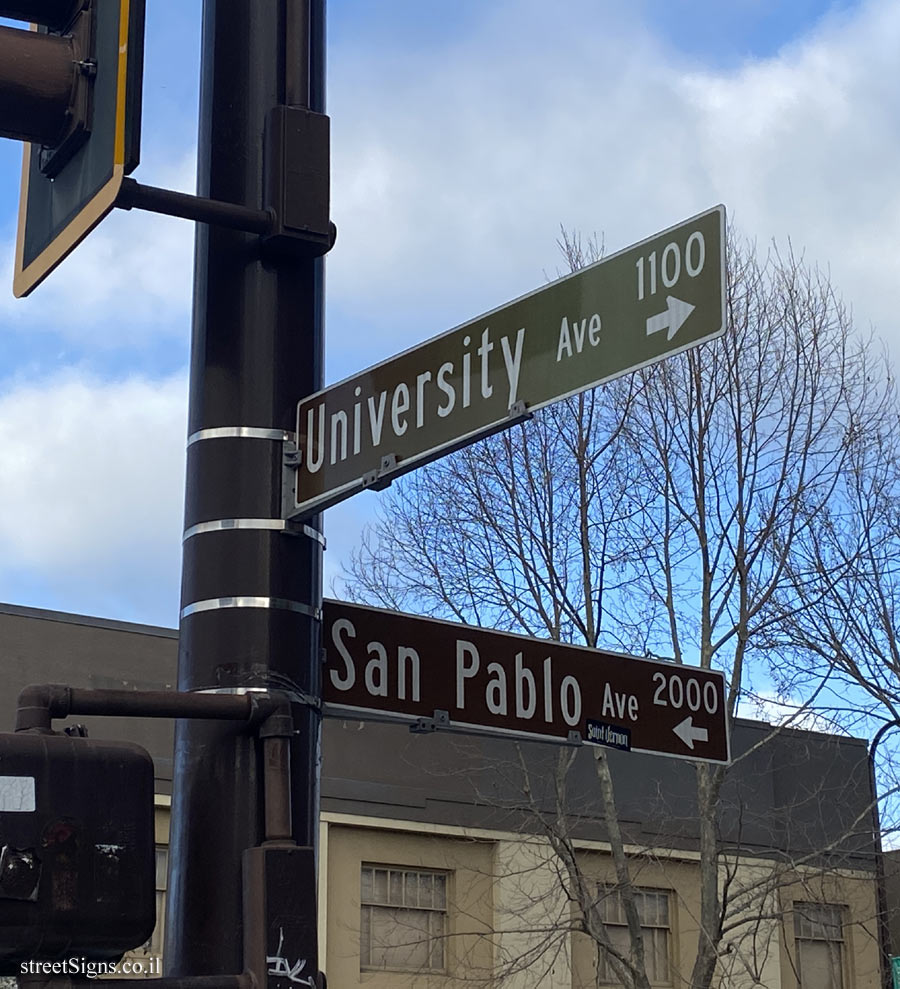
[464,133]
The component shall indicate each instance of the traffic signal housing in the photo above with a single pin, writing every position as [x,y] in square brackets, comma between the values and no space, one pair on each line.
[71,88]
[77,858]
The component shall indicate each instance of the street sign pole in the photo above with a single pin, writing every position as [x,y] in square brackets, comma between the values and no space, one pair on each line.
[251,592]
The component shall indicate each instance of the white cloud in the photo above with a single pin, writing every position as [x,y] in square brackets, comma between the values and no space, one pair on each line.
[92,492]
[807,145]
[451,176]
[786,712]
[452,173]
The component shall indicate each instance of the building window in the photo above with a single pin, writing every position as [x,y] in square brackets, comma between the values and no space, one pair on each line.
[653,913]
[403,919]
[819,937]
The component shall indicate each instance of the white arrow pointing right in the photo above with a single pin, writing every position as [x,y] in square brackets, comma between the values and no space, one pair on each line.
[689,734]
[675,314]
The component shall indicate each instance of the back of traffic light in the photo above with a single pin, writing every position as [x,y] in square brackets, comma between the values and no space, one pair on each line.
[77,864]
[70,88]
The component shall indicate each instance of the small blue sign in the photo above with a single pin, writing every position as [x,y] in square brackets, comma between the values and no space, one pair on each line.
[615,736]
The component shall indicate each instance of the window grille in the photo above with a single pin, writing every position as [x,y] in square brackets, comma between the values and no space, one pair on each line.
[653,913]
[819,940]
[403,919]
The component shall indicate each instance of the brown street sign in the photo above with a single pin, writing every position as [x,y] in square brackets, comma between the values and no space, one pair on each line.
[387,666]
[652,300]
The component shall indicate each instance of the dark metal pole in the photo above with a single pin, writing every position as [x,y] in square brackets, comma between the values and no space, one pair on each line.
[884,930]
[134,195]
[39,704]
[251,593]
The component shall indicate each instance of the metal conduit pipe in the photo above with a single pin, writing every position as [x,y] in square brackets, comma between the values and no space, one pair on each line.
[38,704]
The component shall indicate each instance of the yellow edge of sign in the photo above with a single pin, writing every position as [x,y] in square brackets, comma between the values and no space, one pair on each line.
[25,279]
[122,70]
[18,271]
[74,232]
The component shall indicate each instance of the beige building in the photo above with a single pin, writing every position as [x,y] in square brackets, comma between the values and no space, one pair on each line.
[497,901]
[444,861]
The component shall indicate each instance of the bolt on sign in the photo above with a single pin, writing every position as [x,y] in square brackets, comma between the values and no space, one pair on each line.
[429,674]
[657,298]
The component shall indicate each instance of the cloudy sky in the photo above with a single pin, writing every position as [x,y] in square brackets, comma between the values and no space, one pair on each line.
[464,134]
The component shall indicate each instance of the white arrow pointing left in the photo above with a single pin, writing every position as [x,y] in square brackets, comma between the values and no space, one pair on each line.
[688,734]
[672,319]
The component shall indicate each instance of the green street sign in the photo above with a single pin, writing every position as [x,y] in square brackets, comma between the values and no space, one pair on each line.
[649,301]
[895,971]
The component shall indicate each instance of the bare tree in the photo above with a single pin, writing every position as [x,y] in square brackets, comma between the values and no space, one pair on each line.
[833,630]
[838,613]
[743,445]
[662,514]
